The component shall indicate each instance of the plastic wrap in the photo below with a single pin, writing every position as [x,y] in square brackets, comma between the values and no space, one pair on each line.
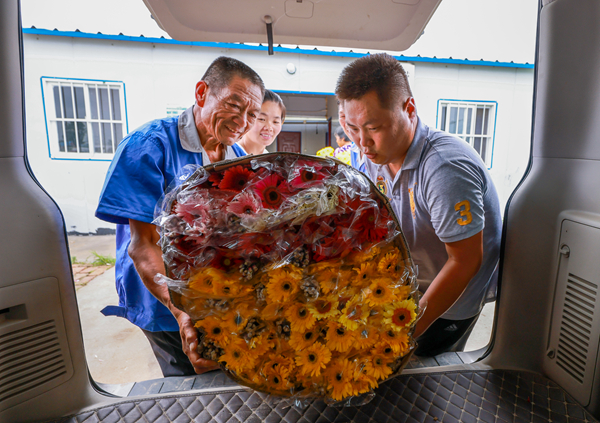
[295,272]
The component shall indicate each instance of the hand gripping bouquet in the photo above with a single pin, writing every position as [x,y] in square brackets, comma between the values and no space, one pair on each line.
[295,272]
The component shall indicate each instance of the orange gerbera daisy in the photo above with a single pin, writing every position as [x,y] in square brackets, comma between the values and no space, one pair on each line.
[215,330]
[324,307]
[378,367]
[400,315]
[280,361]
[301,340]
[398,341]
[365,255]
[236,178]
[277,378]
[201,282]
[338,377]
[364,273]
[328,280]
[300,317]
[312,360]
[389,264]
[367,337]
[237,357]
[282,285]
[354,314]
[339,338]
[380,292]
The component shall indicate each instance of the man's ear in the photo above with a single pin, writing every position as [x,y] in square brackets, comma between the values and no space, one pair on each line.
[201,90]
[410,107]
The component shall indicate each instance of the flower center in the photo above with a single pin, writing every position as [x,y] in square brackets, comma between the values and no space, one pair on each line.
[308,336]
[272,196]
[379,292]
[248,210]
[216,331]
[227,262]
[226,289]
[323,306]
[287,286]
[338,377]
[276,380]
[307,176]
[341,331]
[312,357]
[302,312]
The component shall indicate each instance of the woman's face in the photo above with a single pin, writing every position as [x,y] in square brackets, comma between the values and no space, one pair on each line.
[268,124]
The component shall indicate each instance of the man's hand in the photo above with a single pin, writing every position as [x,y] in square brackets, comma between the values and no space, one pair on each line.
[464,261]
[147,258]
[189,343]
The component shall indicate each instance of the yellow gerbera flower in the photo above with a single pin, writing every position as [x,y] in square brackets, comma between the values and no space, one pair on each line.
[237,357]
[283,285]
[366,255]
[380,292]
[363,383]
[277,379]
[398,341]
[339,338]
[328,280]
[215,330]
[324,307]
[400,315]
[300,317]
[202,282]
[388,264]
[301,340]
[378,367]
[235,319]
[366,338]
[280,361]
[354,314]
[339,379]
[363,274]
[313,359]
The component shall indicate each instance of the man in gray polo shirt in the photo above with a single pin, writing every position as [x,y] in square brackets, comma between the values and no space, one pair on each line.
[441,192]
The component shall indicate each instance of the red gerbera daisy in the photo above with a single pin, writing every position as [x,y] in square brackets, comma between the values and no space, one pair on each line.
[245,204]
[215,178]
[305,177]
[236,178]
[272,190]
[226,263]
[370,224]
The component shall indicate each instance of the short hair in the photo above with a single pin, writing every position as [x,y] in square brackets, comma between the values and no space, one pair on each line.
[381,73]
[223,69]
[274,97]
[339,132]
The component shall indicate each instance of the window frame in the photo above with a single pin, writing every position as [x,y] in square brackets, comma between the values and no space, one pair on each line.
[489,159]
[54,153]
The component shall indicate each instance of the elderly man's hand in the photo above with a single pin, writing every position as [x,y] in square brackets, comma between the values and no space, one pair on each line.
[189,344]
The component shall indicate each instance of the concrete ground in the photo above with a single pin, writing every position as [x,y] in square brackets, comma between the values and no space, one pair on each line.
[118,352]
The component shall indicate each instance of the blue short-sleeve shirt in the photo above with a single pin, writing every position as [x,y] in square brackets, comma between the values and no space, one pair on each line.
[146,162]
[443,193]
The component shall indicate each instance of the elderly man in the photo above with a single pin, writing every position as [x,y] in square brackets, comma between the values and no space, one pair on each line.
[228,100]
[441,192]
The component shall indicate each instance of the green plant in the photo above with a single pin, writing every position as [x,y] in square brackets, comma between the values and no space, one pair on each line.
[100,260]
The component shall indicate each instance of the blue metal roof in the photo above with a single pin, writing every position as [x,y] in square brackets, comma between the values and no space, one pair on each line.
[260,47]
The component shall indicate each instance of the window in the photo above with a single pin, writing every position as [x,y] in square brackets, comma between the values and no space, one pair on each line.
[84,119]
[474,122]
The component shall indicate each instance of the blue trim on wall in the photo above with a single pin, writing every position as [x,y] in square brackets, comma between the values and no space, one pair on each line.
[297,50]
[46,118]
[437,123]
[302,92]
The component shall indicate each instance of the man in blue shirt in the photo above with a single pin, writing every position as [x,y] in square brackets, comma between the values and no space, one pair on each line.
[441,191]
[227,101]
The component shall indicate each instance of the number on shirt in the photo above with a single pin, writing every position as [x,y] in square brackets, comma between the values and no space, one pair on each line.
[464,208]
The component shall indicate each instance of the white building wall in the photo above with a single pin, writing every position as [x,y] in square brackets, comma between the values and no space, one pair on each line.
[159,76]
[511,88]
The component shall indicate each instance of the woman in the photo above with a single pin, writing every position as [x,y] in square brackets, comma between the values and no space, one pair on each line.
[267,127]
[344,143]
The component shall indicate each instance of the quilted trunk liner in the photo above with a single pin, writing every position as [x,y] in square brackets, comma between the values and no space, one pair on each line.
[463,396]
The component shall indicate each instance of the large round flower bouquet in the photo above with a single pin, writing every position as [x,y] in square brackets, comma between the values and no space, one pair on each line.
[295,272]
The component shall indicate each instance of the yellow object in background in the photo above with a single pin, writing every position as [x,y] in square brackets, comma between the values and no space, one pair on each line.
[325,152]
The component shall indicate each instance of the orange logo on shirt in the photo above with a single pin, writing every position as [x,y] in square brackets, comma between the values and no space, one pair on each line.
[411,197]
